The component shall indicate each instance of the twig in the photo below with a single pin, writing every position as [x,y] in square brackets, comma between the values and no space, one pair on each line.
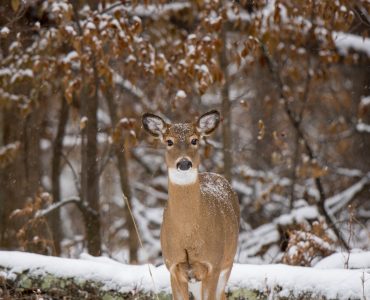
[140,241]
[297,139]
[359,12]
[74,173]
[20,13]
[77,17]
[111,7]
[335,203]
[363,285]
[108,157]
[346,263]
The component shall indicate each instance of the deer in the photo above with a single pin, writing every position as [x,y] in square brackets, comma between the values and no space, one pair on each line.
[200,226]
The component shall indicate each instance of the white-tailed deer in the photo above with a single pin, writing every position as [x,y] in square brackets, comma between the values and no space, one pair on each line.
[199,233]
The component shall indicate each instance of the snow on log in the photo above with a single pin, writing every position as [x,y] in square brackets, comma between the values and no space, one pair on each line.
[106,279]
[95,277]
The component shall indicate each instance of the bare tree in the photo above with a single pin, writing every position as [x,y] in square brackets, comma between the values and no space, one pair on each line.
[55,174]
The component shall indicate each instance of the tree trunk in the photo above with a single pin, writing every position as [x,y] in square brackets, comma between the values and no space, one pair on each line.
[226,109]
[293,175]
[32,152]
[56,169]
[2,181]
[92,177]
[120,153]
[89,170]
[89,194]
[12,183]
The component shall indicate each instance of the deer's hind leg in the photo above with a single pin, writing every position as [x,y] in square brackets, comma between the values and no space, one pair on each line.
[179,289]
[213,287]
[221,284]
[209,286]
[179,282]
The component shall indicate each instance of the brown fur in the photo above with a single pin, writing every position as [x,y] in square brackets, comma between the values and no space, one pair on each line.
[197,223]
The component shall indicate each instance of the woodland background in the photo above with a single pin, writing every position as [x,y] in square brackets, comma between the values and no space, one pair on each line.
[290,78]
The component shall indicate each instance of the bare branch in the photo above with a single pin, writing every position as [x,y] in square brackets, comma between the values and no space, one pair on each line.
[108,154]
[55,206]
[20,13]
[338,202]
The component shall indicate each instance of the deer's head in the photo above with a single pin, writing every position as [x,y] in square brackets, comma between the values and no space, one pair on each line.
[182,141]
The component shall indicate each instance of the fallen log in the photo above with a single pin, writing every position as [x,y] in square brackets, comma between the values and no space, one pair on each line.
[33,276]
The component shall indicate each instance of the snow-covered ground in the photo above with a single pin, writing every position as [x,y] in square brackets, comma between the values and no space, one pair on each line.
[329,279]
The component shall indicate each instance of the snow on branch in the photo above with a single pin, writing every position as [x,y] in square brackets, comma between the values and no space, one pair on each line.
[55,206]
[347,41]
[8,153]
[363,127]
[338,201]
[154,10]
[82,206]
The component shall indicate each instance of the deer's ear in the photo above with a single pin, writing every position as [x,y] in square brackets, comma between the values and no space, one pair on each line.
[154,125]
[208,122]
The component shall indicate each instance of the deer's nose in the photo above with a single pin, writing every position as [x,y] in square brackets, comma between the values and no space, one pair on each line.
[184,164]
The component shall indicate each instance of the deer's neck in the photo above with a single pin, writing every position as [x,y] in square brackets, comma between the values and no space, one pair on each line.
[183,194]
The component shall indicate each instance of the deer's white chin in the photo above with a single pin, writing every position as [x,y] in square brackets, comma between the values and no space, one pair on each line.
[182,177]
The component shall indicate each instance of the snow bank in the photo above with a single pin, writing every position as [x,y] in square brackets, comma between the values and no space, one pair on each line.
[120,277]
[282,280]
[352,260]
[295,281]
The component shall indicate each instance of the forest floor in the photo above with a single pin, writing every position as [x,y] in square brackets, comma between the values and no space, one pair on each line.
[32,276]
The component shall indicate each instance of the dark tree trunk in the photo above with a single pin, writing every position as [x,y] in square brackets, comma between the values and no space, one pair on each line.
[22,177]
[89,170]
[32,151]
[2,182]
[56,169]
[11,180]
[120,153]
[89,194]
[226,109]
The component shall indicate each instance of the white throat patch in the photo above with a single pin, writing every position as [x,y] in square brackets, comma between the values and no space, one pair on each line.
[182,177]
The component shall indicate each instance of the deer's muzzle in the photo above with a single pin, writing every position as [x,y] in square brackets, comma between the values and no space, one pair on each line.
[184,164]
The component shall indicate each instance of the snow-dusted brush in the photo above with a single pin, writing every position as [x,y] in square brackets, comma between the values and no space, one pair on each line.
[200,226]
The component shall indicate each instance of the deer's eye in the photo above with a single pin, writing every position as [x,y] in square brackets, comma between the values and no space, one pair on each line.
[169,143]
[194,141]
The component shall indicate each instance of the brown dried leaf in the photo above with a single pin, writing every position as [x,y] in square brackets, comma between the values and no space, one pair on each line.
[8,153]
[15,4]
[261,130]
[311,169]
